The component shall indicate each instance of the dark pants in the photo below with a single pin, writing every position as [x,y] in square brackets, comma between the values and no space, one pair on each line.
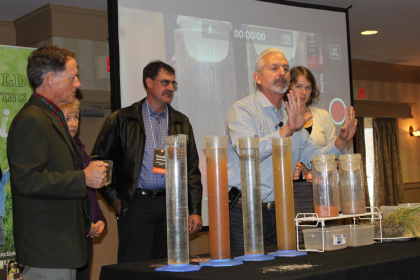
[142,230]
[236,228]
[303,204]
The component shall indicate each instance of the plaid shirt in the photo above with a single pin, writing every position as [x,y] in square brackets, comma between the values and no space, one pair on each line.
[155,126]
[56,111]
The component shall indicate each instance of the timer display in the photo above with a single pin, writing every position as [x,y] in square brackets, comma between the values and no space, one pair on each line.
[252,35]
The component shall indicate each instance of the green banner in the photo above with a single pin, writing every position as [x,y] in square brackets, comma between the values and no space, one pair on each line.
[15,91]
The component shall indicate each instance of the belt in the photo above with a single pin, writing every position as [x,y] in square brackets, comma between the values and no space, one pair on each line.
[269,206]
[152,193]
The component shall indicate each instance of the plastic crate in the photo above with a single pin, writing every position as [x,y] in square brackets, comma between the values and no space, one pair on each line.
[359,235]
[334,238]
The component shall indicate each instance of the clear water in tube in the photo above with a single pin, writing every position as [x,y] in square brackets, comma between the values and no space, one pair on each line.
[177,199]
[249,156]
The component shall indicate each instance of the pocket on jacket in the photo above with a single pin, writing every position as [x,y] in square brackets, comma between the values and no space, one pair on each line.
[55,218]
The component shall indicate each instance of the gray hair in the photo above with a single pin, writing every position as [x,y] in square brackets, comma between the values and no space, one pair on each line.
[259,64]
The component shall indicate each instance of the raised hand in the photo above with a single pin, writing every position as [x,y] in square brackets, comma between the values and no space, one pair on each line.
[348,130]
[296,118]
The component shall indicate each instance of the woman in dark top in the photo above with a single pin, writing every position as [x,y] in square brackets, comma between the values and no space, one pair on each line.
[71,114]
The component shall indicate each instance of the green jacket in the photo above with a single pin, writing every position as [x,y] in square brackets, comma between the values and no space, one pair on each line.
[48,190]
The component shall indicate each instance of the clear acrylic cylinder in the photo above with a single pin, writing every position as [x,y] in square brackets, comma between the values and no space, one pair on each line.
[249,157]
[283,193]
[177,199]
[325,187]
[217,189]
[352,187]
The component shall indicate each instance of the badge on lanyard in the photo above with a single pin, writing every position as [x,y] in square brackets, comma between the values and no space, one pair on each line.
[159,161]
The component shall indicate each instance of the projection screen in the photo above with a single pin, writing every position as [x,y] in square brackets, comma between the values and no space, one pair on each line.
[213,46]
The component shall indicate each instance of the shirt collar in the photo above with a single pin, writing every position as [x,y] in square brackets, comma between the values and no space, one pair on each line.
[263,100]
[153,112]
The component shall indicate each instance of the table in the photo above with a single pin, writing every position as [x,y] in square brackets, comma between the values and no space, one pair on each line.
[391,260]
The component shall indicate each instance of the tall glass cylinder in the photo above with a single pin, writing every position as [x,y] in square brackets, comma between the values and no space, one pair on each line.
[249,156]
[324,184]
[217,188]
[352,187]
[283,193]
[177,199]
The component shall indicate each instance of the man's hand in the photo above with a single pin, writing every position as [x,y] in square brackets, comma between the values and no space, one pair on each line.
[347,130]
[308,175]
[298,170]
[96,229]
[117,205]
[95,174]
[296,119]
[195,223]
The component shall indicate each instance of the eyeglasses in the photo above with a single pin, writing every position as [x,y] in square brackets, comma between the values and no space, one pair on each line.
[166,83]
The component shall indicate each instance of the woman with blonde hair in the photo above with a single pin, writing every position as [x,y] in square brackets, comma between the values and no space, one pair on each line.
[72,115]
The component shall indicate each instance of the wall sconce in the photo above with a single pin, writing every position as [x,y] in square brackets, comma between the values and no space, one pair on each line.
[413,133]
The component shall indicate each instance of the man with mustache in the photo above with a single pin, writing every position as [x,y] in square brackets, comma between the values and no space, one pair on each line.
[133,138]
[265,115]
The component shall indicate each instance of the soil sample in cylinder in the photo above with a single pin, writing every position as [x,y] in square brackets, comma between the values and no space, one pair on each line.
[217,189]
[249,157]
[283,193]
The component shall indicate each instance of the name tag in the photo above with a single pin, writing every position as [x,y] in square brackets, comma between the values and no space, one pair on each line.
[159,161]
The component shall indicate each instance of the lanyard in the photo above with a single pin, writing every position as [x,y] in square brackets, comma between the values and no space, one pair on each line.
[151,127]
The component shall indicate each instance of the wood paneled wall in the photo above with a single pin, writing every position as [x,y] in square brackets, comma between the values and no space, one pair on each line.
[409,145]
[396,84]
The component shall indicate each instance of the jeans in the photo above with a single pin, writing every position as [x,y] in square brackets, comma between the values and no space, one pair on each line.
[236,228]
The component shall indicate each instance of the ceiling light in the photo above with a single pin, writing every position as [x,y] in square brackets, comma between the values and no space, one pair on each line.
[369,32]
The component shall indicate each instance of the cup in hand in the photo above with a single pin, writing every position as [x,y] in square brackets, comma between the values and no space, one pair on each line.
[108,171]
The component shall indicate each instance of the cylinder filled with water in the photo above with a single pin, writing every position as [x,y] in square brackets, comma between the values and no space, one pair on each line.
[249,156]
[177,199]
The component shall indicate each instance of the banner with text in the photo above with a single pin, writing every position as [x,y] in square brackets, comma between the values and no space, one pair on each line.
[15,91]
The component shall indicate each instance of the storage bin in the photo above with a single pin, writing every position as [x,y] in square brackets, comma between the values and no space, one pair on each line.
[388,210]
[334,238]
[359,235]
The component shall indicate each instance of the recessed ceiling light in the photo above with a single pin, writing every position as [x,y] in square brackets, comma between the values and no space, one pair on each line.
[369,32]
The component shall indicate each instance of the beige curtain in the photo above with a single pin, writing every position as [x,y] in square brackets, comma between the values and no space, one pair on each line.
[388,183]
[359,139]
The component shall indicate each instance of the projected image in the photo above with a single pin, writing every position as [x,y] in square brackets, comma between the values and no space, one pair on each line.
[215,59]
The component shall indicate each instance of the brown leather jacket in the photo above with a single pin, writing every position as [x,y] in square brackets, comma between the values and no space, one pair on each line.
[122,139]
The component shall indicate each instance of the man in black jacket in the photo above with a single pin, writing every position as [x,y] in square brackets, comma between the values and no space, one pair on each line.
[133,138]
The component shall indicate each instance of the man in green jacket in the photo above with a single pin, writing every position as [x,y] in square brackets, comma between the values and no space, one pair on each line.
[51,212]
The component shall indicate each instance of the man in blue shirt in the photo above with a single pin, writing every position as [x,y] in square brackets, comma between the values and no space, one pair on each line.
[133,138]
[265,115]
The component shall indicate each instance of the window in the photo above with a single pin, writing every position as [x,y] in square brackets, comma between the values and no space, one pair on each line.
[370,158]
